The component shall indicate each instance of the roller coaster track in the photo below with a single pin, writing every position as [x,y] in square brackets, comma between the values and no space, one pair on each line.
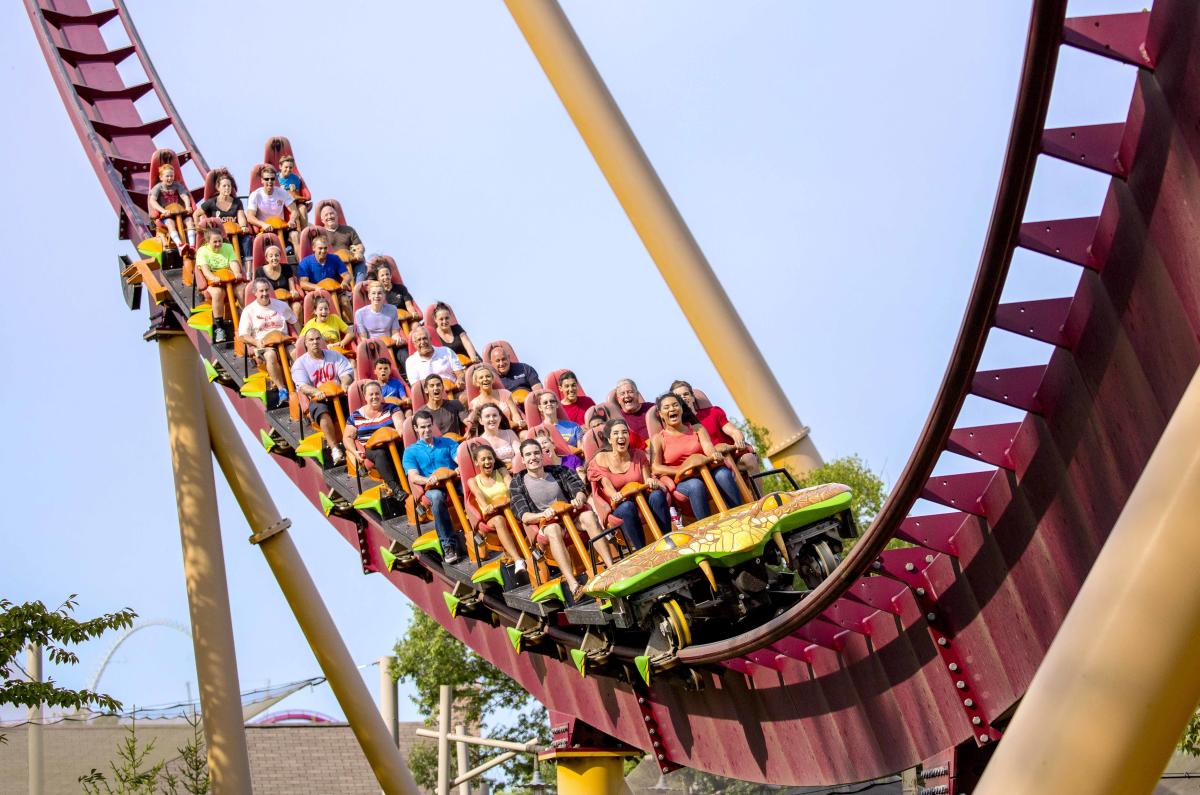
[903,652]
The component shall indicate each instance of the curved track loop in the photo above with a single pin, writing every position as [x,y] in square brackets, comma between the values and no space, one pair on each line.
[903,652]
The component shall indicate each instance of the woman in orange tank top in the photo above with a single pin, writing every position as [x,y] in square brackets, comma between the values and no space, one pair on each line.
[683,436]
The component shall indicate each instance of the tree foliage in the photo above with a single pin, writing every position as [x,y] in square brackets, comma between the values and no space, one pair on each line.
[429,656]
[1189,743]
[133,777]
[54,631]
[850,470]
[130,776]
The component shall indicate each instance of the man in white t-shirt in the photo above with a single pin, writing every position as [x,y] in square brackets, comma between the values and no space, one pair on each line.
[429,360]
[262,316]
[270,201]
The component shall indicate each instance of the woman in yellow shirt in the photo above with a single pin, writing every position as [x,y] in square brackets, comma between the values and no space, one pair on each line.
[332,327]
[215,260]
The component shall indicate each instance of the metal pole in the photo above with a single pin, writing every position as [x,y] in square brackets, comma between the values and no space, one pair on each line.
[204,567]
[389,698]
[271,536]
[1120,680]
[37,758]
[662,229]
[443,780]
[463,761]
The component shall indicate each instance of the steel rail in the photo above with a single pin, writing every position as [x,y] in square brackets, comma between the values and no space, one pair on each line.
[1024,146]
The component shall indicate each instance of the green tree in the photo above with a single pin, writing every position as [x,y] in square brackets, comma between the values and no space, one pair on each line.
[429,656]
[53,630]
[850,470]
[1189,743]
[130,777]
[192,767]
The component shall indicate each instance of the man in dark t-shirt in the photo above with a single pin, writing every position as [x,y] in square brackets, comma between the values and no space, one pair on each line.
[448,415]
[513,374]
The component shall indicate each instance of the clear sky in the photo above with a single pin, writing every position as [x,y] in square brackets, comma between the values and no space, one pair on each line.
[837,163]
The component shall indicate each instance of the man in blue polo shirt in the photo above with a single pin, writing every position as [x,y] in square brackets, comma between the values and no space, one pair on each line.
[321,265]
[421,459]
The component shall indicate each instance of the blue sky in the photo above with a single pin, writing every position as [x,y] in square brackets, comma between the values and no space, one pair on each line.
[837,163]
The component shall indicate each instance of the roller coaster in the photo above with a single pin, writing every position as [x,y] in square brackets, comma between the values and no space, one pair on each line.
[907,654]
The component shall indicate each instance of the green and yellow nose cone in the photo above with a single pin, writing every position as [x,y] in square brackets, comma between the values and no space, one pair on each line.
[451,602]
[643,665]
[429,542]
[326,502]
[580,659]
[210,370]
[269,444]
[151,247]
[389,558]
[514,637]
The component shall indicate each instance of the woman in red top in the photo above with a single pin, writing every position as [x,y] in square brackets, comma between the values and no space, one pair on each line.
[681,437]
[616,466]
[725,436]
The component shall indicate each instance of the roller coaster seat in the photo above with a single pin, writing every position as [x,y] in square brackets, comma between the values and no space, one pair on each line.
[310,302]
[582,403]
[533,417]
[273,151]
[210,182]
[335,204]
[370,351]
[160,158]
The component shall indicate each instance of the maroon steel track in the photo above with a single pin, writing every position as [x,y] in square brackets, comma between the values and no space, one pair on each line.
[906,652]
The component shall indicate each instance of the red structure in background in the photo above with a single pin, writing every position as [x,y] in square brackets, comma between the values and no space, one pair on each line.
[903,655]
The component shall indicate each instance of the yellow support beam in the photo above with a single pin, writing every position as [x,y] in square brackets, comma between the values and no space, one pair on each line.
[1121,678]
[663,231]
[204,567]
[272,537]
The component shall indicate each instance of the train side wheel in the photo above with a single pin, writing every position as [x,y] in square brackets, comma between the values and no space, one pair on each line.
[825,557]
[674,624]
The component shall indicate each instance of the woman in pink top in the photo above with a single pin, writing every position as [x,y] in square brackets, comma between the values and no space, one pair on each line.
[616,466]
[683,436]
[483,379]
[493,429]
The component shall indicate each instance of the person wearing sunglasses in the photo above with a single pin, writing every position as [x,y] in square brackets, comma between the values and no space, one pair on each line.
[270,201]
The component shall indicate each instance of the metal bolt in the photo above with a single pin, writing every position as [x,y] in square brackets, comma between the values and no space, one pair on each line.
[647,717]
[657,744]
[876,565]
[970,702]
[983,738]
[929,558]
[652,730]
[976,720]
[931,616]
[943,642]
[909,567]
[961,685]
[641,700]
[953,666]
[661,757]
[664,769]
[920,592]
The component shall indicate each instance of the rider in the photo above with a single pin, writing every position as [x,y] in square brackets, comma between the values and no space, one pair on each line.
[421,459]
[314,368]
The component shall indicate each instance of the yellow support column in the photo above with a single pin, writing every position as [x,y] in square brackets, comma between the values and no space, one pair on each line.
[204,567]
[663,230]
[271,536]
[1121,679]
[589,772]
